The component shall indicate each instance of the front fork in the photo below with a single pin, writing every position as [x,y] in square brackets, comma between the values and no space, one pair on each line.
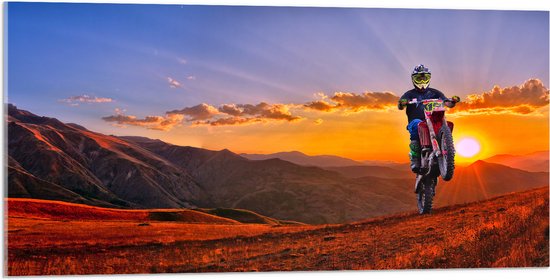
[428,155]
[433,139]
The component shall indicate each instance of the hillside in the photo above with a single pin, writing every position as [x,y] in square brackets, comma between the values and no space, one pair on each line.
[507,231]
[92,168]
[48,159]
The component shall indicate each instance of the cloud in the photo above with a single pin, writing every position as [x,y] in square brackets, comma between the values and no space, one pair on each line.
[353,102]
[182,60]
[520,100]
[173,83]
[79,99]
[318,121]
[260,111]
[236,114]
[150,122]
[191,78]
[268,111]
[202,111]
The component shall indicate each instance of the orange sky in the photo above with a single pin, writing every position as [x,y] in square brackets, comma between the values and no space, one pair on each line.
[371,135]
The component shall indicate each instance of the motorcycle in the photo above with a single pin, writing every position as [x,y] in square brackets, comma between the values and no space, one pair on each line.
[437,152]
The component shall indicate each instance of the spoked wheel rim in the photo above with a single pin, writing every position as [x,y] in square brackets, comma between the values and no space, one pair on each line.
[446,159]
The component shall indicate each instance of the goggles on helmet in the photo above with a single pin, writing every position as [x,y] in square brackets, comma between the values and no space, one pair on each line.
[421,78]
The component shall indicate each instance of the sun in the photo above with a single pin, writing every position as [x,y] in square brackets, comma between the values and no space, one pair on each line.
[468,147]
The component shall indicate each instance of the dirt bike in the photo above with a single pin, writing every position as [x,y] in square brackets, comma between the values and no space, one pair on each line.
[437,153]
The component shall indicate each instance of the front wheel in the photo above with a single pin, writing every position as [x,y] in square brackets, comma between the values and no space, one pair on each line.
[446,160]
[425,195]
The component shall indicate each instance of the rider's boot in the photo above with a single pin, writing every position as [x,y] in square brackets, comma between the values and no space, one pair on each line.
[414,155]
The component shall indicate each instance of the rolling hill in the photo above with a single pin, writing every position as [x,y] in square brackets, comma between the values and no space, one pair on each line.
[56,210]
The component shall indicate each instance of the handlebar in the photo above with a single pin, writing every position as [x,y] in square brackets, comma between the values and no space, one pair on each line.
[425,100]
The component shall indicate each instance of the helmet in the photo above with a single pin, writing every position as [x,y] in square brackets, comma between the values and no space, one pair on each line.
[421,77]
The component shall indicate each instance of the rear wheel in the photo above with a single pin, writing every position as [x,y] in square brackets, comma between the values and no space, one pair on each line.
[425,195]
[446,160]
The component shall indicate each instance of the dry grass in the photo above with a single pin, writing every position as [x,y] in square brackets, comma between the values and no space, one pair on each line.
[509,231]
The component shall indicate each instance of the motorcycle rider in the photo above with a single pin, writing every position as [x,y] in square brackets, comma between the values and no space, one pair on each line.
[420,76]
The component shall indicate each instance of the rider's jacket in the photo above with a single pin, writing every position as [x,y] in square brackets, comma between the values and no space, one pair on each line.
[416,111]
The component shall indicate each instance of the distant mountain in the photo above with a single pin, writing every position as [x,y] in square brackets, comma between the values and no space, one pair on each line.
[306,160]
[281,189]
[533,162]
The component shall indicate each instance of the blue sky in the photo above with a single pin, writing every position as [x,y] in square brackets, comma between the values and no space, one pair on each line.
[223,54]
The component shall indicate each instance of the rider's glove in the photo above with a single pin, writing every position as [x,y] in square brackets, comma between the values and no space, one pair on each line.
[455,99]
[403,102]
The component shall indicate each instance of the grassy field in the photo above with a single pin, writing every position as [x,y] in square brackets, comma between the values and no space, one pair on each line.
[508,231]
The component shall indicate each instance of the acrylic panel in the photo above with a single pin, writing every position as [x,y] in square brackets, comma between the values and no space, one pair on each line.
[190,138]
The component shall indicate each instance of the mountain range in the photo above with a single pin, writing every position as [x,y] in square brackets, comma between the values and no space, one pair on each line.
[49,159]
[318,160]
[533,162]
[306,160]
